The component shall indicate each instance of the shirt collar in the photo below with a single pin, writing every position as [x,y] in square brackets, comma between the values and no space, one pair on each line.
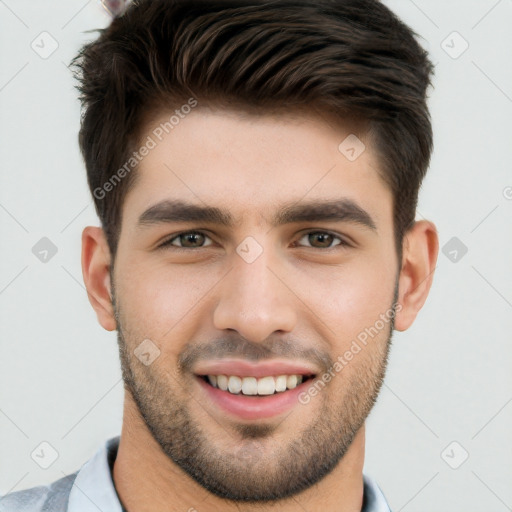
[374,500]
[94,489]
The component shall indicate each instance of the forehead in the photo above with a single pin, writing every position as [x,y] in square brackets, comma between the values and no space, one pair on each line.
[251,162]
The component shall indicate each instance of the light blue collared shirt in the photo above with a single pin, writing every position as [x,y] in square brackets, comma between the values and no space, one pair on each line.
[91,489]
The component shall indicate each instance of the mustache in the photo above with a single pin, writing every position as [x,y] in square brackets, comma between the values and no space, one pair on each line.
[236,346]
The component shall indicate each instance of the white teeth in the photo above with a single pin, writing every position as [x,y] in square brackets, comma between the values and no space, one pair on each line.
[235,384]
[249,386]
[252,386]
[291,381]
[266,386]
[222,382]
[281,383]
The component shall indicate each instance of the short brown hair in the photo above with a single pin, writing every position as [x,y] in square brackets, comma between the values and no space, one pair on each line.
[353,59]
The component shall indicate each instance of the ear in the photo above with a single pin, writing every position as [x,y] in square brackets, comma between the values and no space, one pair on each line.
[96,273]
[419,256]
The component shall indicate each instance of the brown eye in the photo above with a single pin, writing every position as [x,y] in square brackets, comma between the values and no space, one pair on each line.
[322,239]
[189,240]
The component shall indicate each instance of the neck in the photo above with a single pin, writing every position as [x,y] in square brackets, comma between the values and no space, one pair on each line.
[146,480]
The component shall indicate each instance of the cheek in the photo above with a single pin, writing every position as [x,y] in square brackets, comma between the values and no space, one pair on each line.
[161,301]
[351,300]
[158,300]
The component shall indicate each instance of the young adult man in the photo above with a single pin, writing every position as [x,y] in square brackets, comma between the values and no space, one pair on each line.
[255,167]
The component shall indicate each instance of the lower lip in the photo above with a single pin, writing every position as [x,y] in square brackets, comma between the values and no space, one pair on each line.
[254,407]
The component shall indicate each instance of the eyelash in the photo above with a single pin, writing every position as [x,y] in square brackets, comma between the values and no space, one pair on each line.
[168,242]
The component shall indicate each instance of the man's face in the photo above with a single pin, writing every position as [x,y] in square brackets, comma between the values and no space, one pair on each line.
[277,286]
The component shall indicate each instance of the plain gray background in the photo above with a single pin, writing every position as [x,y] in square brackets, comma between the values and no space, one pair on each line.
[448,390]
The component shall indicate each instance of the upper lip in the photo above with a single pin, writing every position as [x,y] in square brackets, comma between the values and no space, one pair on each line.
[243,368]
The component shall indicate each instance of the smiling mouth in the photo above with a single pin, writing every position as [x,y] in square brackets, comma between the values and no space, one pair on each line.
[252,386]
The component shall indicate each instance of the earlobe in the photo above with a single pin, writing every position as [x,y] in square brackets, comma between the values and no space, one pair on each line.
[96,274]
[419,258]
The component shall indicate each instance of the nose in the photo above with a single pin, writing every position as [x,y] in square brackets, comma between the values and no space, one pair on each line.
[255,299]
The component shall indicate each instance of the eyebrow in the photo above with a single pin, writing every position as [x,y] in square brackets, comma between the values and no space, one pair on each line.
[340,210]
